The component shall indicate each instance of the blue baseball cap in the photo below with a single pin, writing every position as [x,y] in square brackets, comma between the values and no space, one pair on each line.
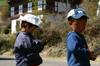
[76,14]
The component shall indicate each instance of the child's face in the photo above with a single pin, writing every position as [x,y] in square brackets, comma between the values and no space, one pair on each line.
[78,25]
[30,29]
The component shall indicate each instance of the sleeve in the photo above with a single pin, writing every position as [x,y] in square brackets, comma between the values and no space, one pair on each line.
[34,46]
[75,47]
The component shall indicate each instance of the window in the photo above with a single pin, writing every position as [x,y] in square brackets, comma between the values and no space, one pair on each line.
[12,11]
[29,7]
[39,4]
[20,9]
[44,4]
[56,5]
[61,7]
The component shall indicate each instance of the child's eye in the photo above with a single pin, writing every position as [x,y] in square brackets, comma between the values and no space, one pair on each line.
[77,24]
[83,24]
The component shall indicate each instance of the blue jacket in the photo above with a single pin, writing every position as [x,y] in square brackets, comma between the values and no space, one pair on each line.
[78,53]
[27,49]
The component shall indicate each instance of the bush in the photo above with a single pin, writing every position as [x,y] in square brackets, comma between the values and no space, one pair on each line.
[36,12]
[53,33]
[90,7]
[7,42]
[5,12]
[6,31]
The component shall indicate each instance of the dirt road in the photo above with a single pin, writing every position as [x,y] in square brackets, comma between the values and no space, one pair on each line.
[10,61]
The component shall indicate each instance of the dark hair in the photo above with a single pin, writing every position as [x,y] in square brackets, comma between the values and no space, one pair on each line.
[30,25]
[23,24]
[71,19]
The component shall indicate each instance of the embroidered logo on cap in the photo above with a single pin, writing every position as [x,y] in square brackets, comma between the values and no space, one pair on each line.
[80,11]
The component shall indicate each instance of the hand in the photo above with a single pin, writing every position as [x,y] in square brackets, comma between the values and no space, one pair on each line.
[93,58]
[42,42]
[91,52]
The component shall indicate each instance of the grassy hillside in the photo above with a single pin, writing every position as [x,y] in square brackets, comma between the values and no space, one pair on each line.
[56,34]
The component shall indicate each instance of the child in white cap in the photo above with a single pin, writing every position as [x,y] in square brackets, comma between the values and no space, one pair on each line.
[26,48]
[78,53]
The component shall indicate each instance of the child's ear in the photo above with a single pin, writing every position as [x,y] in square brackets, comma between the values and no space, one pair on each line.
[25,24]
[70,23]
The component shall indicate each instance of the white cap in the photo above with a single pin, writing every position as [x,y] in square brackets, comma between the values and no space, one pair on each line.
[31,19]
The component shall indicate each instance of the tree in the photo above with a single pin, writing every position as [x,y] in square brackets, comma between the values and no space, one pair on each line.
[6,31]
[5,12]
[90,6]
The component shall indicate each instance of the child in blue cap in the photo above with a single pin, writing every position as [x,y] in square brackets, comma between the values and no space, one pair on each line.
[78,53]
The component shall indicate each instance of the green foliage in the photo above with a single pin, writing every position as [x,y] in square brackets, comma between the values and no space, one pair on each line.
[53,33]
[6,31]
[90,6]
[34,2]
[37,33]
[58,52]
[3,3]
[5,12]
[18,29]
[7,42]
[44,22]
[36,12]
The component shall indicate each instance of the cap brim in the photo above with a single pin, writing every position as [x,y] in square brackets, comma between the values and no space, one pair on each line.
[79,16]
[40,26]
[35,24]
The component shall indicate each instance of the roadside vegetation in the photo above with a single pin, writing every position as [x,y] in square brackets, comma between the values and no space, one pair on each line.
[55,34]
[7,42]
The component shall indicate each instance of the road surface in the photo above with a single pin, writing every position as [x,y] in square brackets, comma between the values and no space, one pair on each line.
[10,61]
